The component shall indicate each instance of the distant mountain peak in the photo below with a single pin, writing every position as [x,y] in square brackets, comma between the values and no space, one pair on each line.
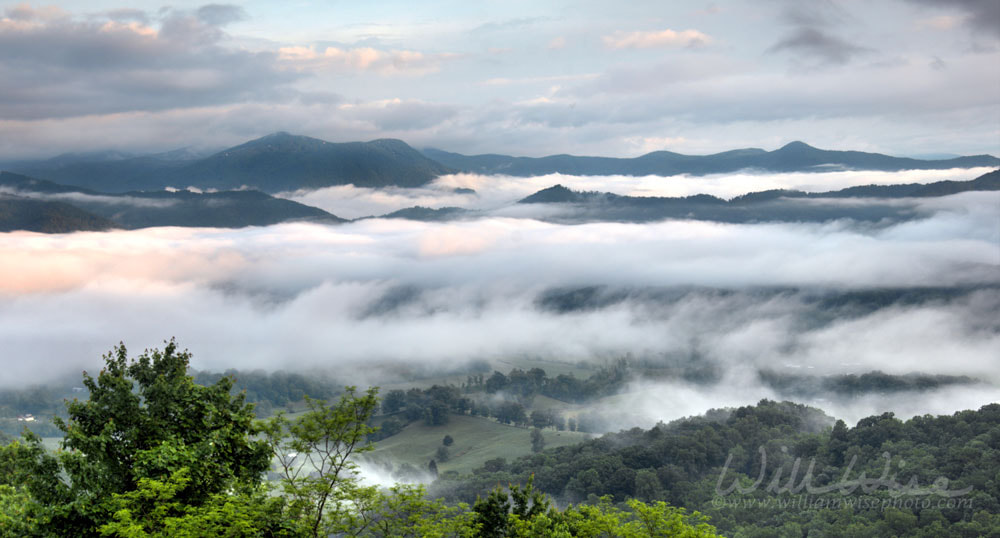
[796,145]
[552,195]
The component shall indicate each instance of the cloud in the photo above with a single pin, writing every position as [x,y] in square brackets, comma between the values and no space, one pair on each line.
[494,192]
[397,114]
[819,45]
[119,62]
[84,198]
[516,24]
[981,16]
[362,59]
[729,299]
[221,14]
[645,404]
[651,39]
[812,38]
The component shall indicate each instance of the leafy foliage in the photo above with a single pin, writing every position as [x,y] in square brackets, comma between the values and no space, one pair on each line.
[145,423]
[314,454]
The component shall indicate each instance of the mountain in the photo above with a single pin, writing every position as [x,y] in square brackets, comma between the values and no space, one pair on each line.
[773,205]
[284,162]
[224,209]
[556,194]
[275,163]
[428,214]
[793,157]
[19,213]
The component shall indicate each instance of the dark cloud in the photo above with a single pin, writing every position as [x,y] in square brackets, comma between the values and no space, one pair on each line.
[812,37]
[819,45]
[817,13]
[117,63]
[221,14]
[982,16]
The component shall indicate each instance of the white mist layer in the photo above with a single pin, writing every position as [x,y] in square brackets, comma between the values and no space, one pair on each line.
[496,191]
[350,297]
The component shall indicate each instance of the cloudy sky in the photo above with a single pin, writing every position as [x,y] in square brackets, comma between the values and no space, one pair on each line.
[906,77]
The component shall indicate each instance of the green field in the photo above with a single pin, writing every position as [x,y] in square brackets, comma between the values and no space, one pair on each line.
[477,440]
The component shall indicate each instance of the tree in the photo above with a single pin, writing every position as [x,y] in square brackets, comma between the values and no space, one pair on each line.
[436,414]
[442,454]
[447,441]
[541,418]
[537,441]
[314,454]
[511,413]
[496,382]
[145,420]
[395,400]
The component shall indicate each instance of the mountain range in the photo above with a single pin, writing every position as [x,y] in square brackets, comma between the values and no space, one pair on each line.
[275,163]
[793,157]
[869,203]
[33,204]
[283,162]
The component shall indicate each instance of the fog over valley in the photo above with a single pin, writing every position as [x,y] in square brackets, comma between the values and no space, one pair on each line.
[496,192]
[719,310]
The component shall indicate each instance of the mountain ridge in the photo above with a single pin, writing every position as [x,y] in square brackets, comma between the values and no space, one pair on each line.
[795,156]
[273,163]
[76,208]
[284,162]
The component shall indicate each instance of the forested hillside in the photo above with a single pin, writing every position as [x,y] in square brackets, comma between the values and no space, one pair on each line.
[780,469]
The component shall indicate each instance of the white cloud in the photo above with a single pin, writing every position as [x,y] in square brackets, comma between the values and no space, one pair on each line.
[384,62]
[496,192]
[651,39]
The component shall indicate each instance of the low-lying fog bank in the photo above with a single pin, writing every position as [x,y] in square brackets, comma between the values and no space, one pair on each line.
[916,296]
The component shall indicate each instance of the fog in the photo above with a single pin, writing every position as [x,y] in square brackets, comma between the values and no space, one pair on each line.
[494,192]
[361,298]
[84,198]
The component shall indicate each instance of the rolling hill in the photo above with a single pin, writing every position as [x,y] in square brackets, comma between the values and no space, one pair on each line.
[19,213]
[72,207]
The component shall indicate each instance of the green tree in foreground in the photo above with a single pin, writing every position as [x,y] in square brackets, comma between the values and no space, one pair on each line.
[152,454]
[145,421]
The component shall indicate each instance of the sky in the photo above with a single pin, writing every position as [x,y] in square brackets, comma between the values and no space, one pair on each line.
[903,77]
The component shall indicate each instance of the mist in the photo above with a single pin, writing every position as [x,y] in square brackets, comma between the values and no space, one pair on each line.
[368,299]
[493,192]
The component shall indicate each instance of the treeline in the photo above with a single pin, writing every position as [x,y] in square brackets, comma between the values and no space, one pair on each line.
[855,384]
[504,397]
[524,385]
[687,462]
[270,390]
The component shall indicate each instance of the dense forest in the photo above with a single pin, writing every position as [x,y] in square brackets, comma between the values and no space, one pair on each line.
[792,472]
